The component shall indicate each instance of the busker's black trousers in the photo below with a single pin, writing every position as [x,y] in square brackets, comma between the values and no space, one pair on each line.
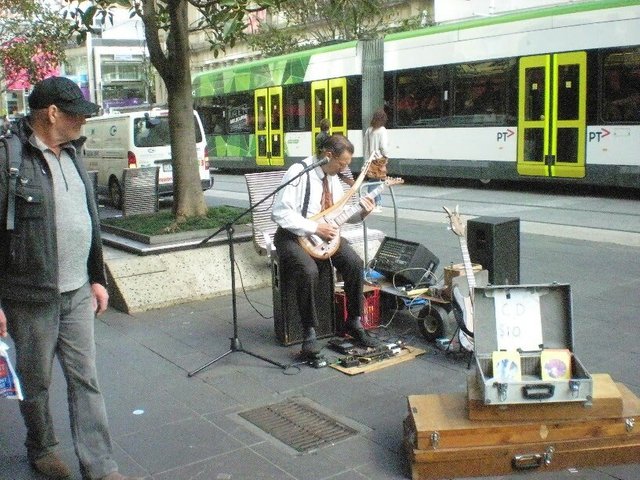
[294,260]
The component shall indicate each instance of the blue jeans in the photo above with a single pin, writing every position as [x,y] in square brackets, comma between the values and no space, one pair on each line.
[65,329]
[371,187]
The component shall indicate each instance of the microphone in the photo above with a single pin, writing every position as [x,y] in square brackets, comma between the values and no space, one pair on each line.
[319,163]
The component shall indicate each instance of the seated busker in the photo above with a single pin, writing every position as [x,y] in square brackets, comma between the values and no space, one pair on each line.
[312,193]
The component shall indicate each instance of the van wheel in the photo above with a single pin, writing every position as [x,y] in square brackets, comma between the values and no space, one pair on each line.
[115,193]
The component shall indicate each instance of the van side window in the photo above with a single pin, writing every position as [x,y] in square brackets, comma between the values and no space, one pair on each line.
[151,134]
[155,133]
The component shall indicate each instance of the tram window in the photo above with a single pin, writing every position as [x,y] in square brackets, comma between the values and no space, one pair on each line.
[275,112]
[354,105]
[568,92]
[240,110]
[567,148]
[261,113]
[425,98]
[621,86]
[297,107]
[414,90]
[389,103]
[406,98]
[320,99]
[534,145]
[337,107]
[534,94]
[483,92]
[212,114]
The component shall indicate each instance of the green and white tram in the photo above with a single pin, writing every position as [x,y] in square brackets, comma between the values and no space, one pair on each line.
[547,94]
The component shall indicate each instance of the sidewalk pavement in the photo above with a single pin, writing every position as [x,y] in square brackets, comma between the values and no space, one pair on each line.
[167,425]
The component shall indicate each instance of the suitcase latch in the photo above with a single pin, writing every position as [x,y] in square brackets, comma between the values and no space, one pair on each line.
[629,424]
[435,440]
[532,460]
[502,390]
[574,387]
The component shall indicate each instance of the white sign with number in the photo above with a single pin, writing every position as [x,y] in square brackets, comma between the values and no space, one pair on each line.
[518,320]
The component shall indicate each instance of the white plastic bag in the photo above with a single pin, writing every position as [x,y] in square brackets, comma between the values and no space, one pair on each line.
[9,383]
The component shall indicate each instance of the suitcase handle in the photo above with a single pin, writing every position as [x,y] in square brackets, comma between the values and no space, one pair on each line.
[538,392]
[529,461]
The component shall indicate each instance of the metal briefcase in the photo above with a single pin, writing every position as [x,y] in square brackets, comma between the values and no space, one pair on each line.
[529,319]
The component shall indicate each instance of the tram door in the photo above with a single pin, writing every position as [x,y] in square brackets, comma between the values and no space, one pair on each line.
[329,100]
[551,118]
[268,126]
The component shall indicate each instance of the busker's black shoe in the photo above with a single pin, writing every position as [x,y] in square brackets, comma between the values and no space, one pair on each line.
[310,346]
[360,335]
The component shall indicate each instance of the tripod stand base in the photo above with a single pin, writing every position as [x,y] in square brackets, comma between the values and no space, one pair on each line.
[236,346]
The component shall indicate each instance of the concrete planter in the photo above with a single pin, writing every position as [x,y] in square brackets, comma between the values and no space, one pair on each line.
[160,271]
[169,238]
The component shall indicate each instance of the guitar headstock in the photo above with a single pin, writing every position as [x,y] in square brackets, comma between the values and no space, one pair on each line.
[374,156]
[391,181]
[455,222]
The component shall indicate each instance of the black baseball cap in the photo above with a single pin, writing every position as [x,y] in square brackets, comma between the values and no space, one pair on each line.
[64,94]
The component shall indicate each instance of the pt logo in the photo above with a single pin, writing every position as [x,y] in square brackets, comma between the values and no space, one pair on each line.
[596,136]
[502,136]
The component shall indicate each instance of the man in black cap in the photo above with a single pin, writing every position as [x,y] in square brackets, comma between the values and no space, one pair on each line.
[52,278]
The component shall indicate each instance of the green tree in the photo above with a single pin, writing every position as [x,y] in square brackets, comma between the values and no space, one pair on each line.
[167,29]
[309,22]
[29,50]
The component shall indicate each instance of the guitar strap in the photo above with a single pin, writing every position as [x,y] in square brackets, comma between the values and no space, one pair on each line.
[307,193]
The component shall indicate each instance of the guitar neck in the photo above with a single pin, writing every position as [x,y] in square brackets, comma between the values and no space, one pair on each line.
[351,210]
[468,269]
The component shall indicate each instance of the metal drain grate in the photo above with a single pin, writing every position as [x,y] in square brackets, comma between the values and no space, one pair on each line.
[298,425]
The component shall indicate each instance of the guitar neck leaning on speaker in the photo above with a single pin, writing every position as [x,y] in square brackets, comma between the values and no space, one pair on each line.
[463,305]
[321,249]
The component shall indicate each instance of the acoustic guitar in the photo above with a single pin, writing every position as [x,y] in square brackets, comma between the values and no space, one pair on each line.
[321,249]
[463,305]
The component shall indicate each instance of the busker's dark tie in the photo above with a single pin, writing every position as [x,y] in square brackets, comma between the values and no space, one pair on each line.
[327,199]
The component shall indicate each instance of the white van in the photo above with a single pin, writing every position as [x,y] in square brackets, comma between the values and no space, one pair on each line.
[118,141]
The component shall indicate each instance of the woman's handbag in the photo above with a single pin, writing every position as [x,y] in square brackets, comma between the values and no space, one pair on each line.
[378,168]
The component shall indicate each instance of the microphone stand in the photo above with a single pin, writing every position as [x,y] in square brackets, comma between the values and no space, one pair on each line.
[236,344]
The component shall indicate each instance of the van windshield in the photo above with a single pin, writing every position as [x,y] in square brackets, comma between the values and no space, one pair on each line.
[154,131]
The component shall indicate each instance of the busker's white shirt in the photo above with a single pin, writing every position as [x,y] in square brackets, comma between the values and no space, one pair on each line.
[287,208]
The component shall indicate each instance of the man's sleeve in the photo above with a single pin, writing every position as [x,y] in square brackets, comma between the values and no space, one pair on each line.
[287,208]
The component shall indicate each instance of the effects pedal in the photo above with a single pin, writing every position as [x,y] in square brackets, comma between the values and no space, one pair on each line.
[342,346]
[349,362]
[318,362]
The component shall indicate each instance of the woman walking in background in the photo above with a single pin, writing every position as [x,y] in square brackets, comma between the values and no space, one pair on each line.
[376,139]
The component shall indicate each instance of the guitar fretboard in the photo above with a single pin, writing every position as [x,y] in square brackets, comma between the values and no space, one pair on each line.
[350,211]
[468,269]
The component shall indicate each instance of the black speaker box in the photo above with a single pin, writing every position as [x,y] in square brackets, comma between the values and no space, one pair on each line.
[405,262]
[494,243]
[286,316]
